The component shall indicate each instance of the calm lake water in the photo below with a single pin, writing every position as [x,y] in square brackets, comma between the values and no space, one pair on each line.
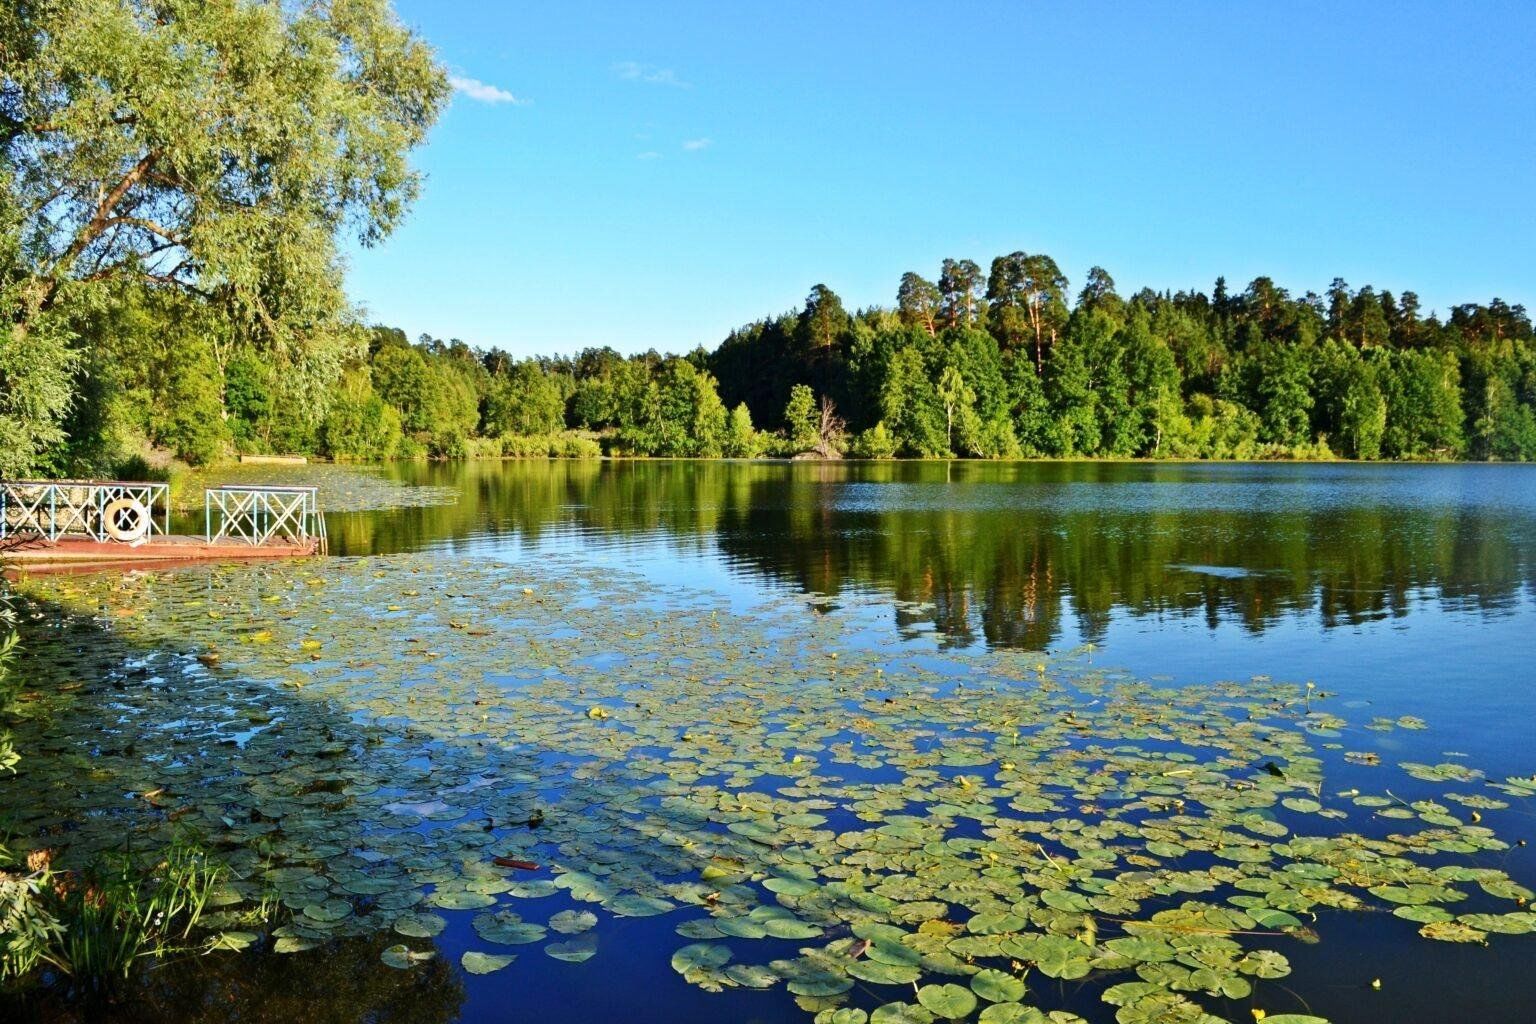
[1414,583]
[1396,590]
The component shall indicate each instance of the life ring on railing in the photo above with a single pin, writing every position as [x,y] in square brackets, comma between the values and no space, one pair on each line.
[126,520]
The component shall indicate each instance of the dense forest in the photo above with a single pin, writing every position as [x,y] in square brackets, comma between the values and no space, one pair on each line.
[996,365]
[173,202]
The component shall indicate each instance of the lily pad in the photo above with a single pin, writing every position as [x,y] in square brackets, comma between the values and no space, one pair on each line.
[485,963]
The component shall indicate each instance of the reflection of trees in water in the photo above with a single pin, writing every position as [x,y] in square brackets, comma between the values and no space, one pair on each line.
[343,982]
[1010,570]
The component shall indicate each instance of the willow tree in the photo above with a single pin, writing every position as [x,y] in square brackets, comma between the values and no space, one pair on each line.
[218,148]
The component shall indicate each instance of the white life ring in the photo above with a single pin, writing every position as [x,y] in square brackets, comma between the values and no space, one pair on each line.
[126,520]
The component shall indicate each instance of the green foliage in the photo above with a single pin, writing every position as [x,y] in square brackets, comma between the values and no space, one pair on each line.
[437,402]
[741,439]
[185,172]
[36,369]
[10,687]
[525,401]
[249,400]
[910,406]
[568,444]
[874,443]
[38,359]
[28,931]
[800,419]
[121,910]
[96,925]
[217,150]
[360,425]
[1424,413]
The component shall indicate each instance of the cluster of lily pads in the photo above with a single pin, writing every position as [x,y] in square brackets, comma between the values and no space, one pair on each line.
[379,744]
[340,488]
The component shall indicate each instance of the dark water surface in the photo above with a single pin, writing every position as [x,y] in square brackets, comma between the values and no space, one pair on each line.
[1400,590]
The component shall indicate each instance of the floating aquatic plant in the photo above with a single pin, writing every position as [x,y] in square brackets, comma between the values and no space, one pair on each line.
[385,743]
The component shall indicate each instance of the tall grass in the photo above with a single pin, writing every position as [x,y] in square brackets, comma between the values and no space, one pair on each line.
[94,926]
[118,912]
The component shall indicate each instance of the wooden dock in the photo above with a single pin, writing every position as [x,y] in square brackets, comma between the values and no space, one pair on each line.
[78,553]
[81,525]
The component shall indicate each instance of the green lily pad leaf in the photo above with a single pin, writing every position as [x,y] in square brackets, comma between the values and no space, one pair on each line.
[635,905]
[877,973]
[790,886]
[1056,956]
[420,926]
[900,1013]
[1452,931]
[843,1015]
[752,975]
[889,950]
[1142,949]
[507,929]
[485,963]
[948,1001]
[1504,924]
[294,944]
[705,955]
[789,928]
[1264,963]
[233,940]
[534,889]
[1268,917]
[330,910]
[404,957]
[570,922]
[461,899]
[575,951]
[996,924]
[819,984]
[1416,893]
[1507,889]
[585,888]
[1423,914]
[997,986]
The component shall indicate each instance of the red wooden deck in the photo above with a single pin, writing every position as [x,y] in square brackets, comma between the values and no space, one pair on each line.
[79,553]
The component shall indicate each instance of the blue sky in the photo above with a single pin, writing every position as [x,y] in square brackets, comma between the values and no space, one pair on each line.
[654,174]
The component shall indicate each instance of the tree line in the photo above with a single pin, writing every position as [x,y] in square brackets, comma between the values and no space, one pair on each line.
[1003,364]
[175,182]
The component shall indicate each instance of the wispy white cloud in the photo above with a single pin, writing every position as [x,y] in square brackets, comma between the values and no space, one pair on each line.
[694,145]
[649,154]
[634,71]
[483,92]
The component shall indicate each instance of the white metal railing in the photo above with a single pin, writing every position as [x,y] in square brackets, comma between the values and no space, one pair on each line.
[257,515]
[116,510]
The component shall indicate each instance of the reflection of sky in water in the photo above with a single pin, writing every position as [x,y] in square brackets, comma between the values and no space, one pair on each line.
[1439,652]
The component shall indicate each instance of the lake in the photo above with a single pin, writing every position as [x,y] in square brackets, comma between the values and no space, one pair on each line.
[900,742]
